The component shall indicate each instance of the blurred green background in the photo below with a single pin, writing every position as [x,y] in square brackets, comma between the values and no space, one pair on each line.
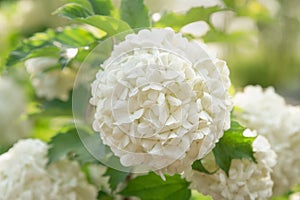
[260,40]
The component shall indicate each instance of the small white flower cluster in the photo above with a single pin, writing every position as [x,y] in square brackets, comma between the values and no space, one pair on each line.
[12,105]
[48,81]
[247,180]
[295,196]
[267,112]
[24,175]
[161,102]
[98,178]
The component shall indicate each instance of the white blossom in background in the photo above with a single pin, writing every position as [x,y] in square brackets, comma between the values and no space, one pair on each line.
[12,106]
[69,182]
[247,180]
[161,102]
[260,110]
[267,112]
[98,178]
[50,83]
[24,175]
[295,196]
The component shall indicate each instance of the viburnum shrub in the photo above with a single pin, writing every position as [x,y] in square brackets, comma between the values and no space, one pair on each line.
[126,106]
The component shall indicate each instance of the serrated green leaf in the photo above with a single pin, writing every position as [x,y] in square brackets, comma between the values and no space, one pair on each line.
[108,24]
[32,44]
[233,145]
[69,144]
[98,7]
[101,7]
[47,51]
[176,21]
[135,13]
[152,187]
[74,37]
[51,43]
[115,177]
[72,10]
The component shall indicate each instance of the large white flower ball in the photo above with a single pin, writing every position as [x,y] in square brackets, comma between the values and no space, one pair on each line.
[267,112]
[247,180]
[161,101]
[24,175]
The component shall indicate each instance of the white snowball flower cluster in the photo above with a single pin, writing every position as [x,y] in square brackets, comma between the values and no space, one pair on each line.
[50,83]
[161,102]
[12,105]
[247,180]
[24,175]
[260,110]
[267,112]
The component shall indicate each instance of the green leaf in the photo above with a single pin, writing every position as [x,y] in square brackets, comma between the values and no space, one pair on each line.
[230,3]
[38,41]
[47,51]
[104,196]
[51,43]
[72,10]
[74,37]
[69,144]
[283,197]
[115,177]
[233,145]
[101,7]
[135,13]
[84,3]
[152,187]
[85,8]
[198,166]
[206,165]
[4,149]
[56,107]
[176,21]
[108,24]
[214,35]
[198,196]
